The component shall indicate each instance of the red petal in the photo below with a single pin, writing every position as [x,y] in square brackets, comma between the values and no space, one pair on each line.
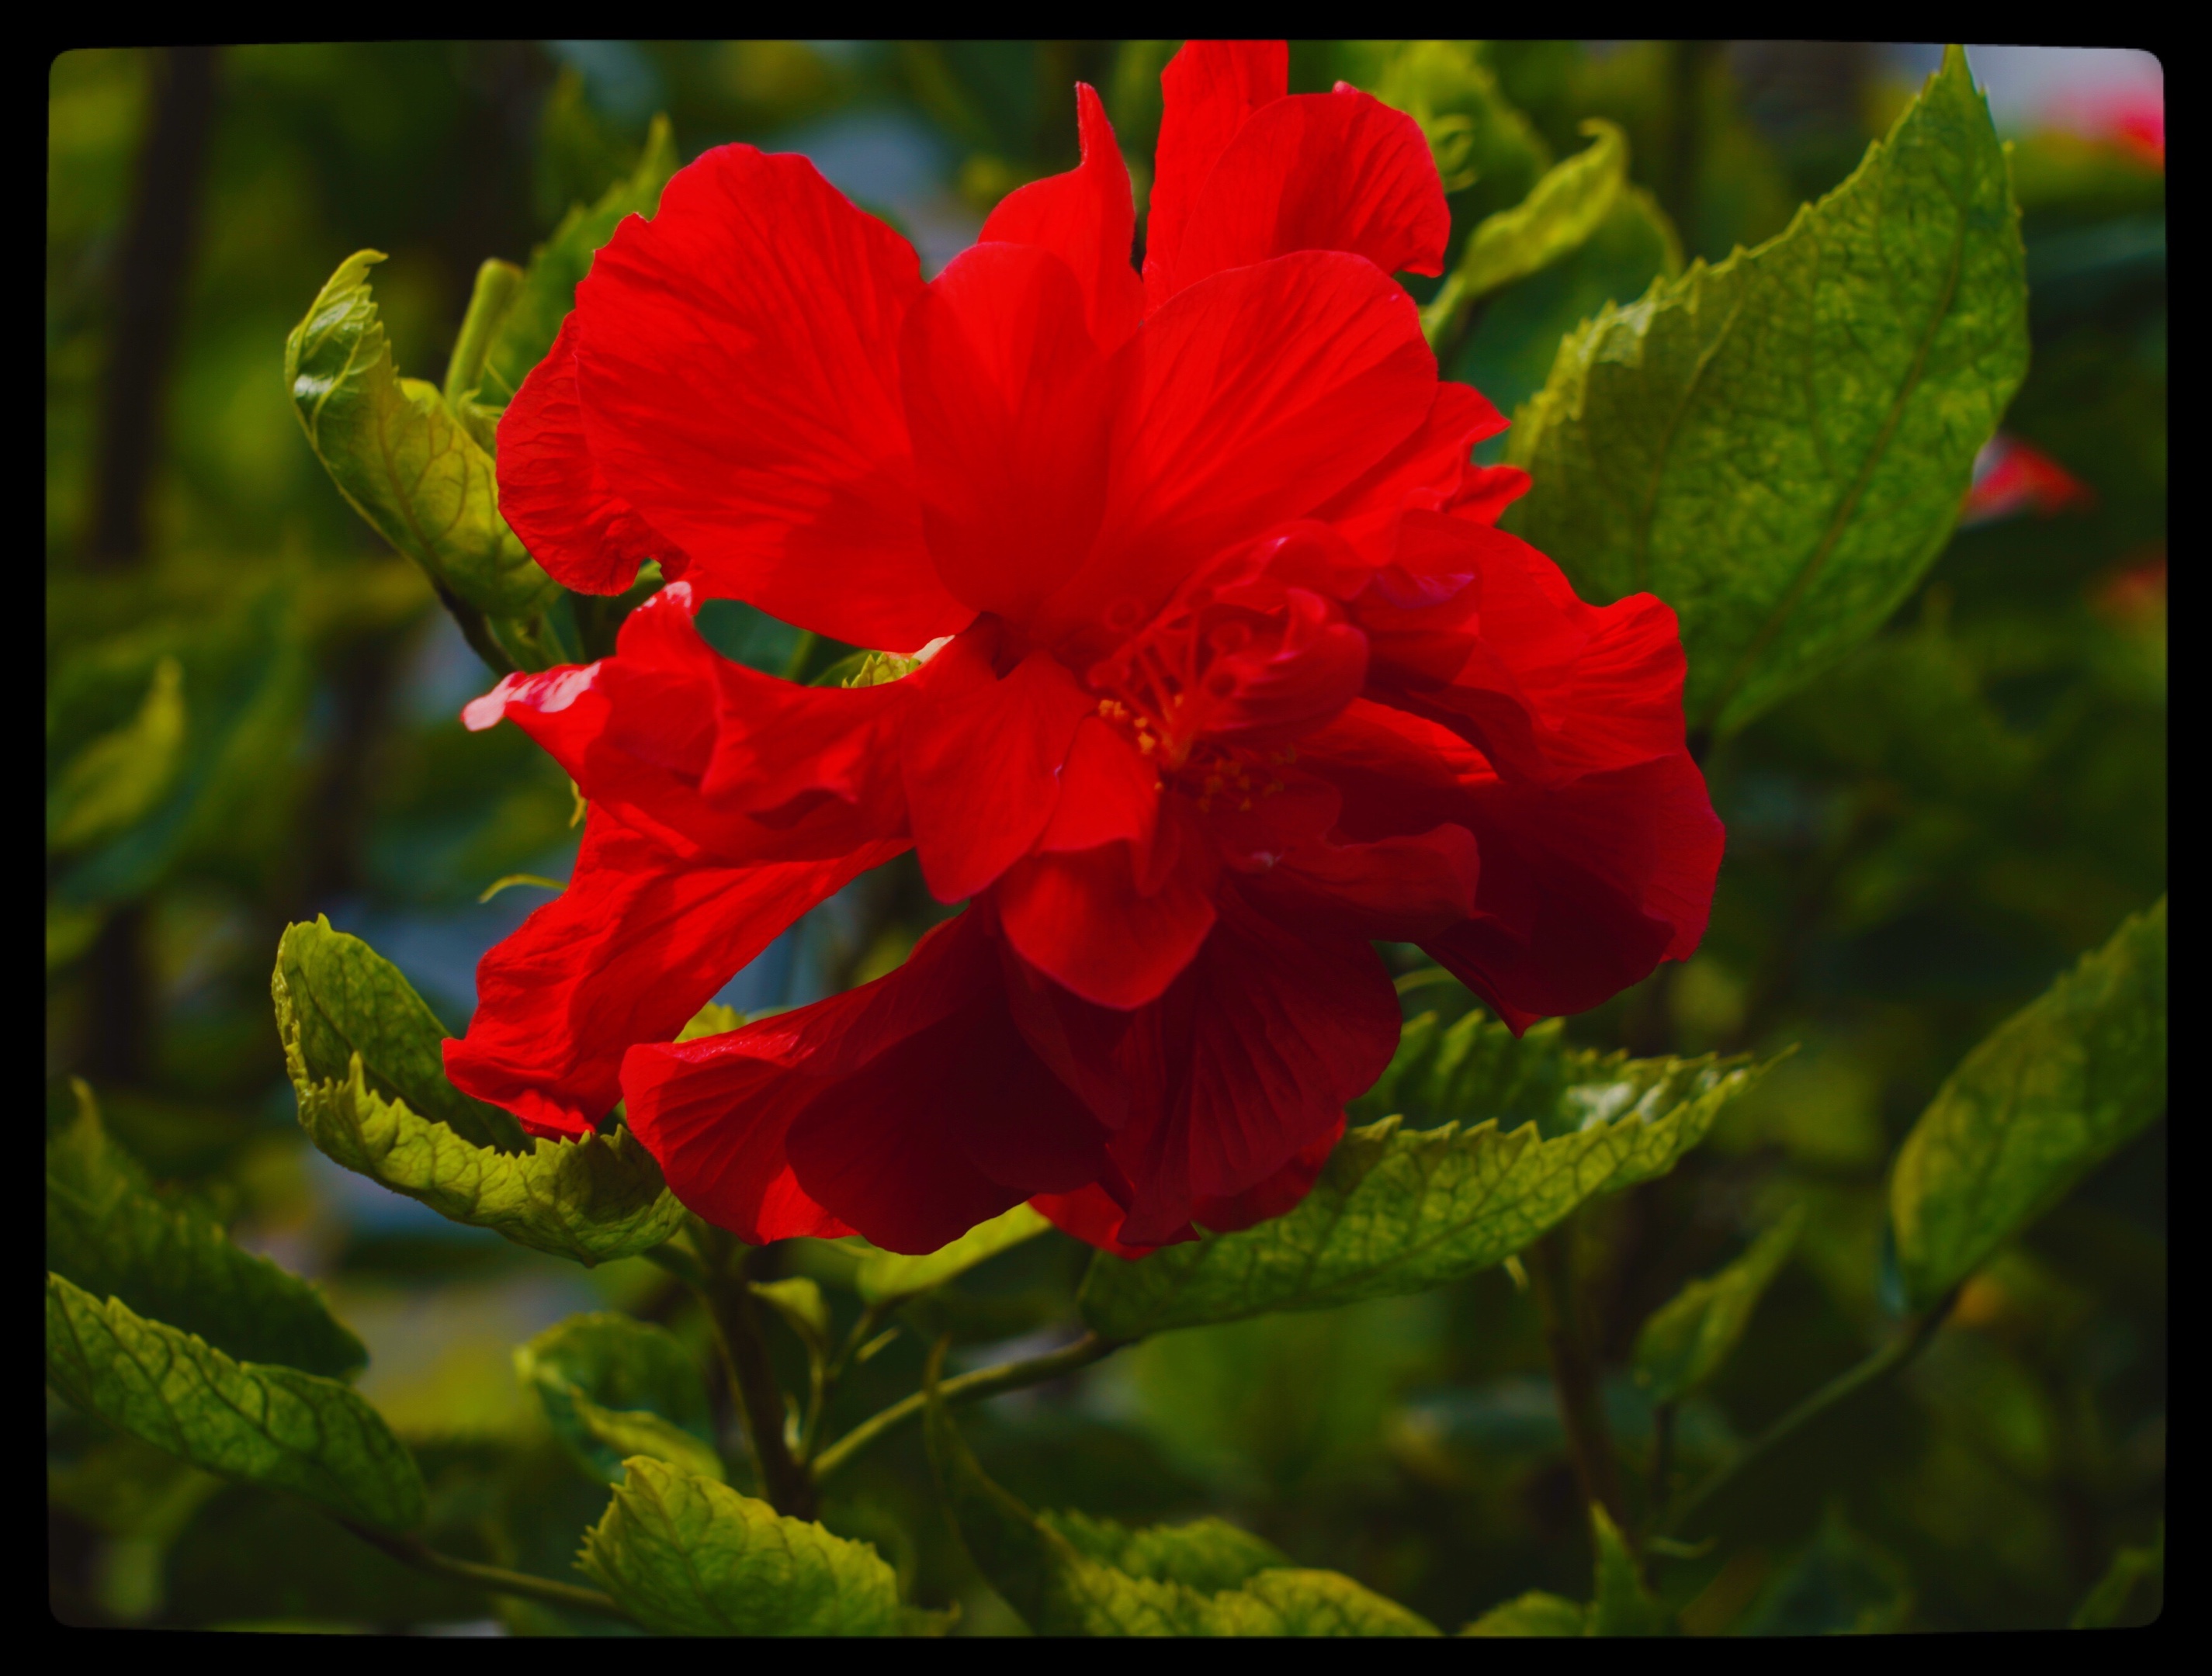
[1429,469]
[737,362]
[1400,890]
[1088,219]
[1331,171]
[1253,397]
[1251,1059]
[711,757]
[1081,919]
[981,763]
[1585,887]
[1281,1191]
[1208,91]
[715,1120]
[638,943]
[1108,793]
[1092,1216]
[553,495]
[1007,401]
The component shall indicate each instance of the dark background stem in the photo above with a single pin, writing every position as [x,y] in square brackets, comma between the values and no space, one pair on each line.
[1574,1372]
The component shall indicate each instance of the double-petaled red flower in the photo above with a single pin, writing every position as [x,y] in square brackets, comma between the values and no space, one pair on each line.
[1226,673]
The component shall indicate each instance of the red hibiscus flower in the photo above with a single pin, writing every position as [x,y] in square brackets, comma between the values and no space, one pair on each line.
[1226,673]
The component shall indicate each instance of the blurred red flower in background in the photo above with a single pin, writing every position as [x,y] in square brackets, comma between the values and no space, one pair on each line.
[1226,672]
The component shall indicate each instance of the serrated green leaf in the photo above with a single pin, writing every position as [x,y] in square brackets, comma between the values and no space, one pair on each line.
[1534,1613]
[1474,1068]
[1621,1605]
[1569,205]
[117,779]
[614,1388]
[108,1233]
[1399,1209]
[1687,1339]
[2042,1098]
[1778,447]
[684,1555]
[593,1200]
[1209,1555]
[1071,1575]
[883,1275]
[401,456]
[339,997]
[271,1426]
[547,290]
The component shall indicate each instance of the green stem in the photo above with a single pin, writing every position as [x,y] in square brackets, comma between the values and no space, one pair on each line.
[1574,1374]
[412,1551]
[1886,1361]
[967,1388]
[736,1318]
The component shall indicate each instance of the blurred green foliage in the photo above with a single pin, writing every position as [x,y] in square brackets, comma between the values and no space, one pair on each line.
[251,720]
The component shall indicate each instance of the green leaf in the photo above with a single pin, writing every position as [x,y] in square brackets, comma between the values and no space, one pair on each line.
[1777,446]
[1569,205]
[1841,1584]
[684,1555]
[547,290]
[1534,1613]
[494,295]
[338,997]
[713,1019]
[1067,1575]
[593,1200]
[109,1234]
[2136,1577]
[276,1427]
[399,455]
[1486,153]
[2042,1098]
[1686,1339]
[614,1388]
[1621,1605]
[883,1275]
[1509,352]
[117,779]
[1399,1209]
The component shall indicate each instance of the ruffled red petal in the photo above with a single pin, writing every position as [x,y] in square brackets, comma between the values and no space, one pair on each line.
[1208,91]
[1331,171]
[638,943]
[1087,218]
[981,760]
[910,1108]
[737,365]
[1428,470]
[1251,397]
[553,495]
[1398,889]
[1008,401]
[1280,1192]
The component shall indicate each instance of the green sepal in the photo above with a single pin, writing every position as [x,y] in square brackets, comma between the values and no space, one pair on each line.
[272,1426]
[342,998]
[398,453]
[108,1233]
[1687,1339]
[547,289]
[1778,447]
[593,1200]
[614,1388]
[686,1556]
[883,1275]
[2041,1099]
[1068,1575]
[1398,1209]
